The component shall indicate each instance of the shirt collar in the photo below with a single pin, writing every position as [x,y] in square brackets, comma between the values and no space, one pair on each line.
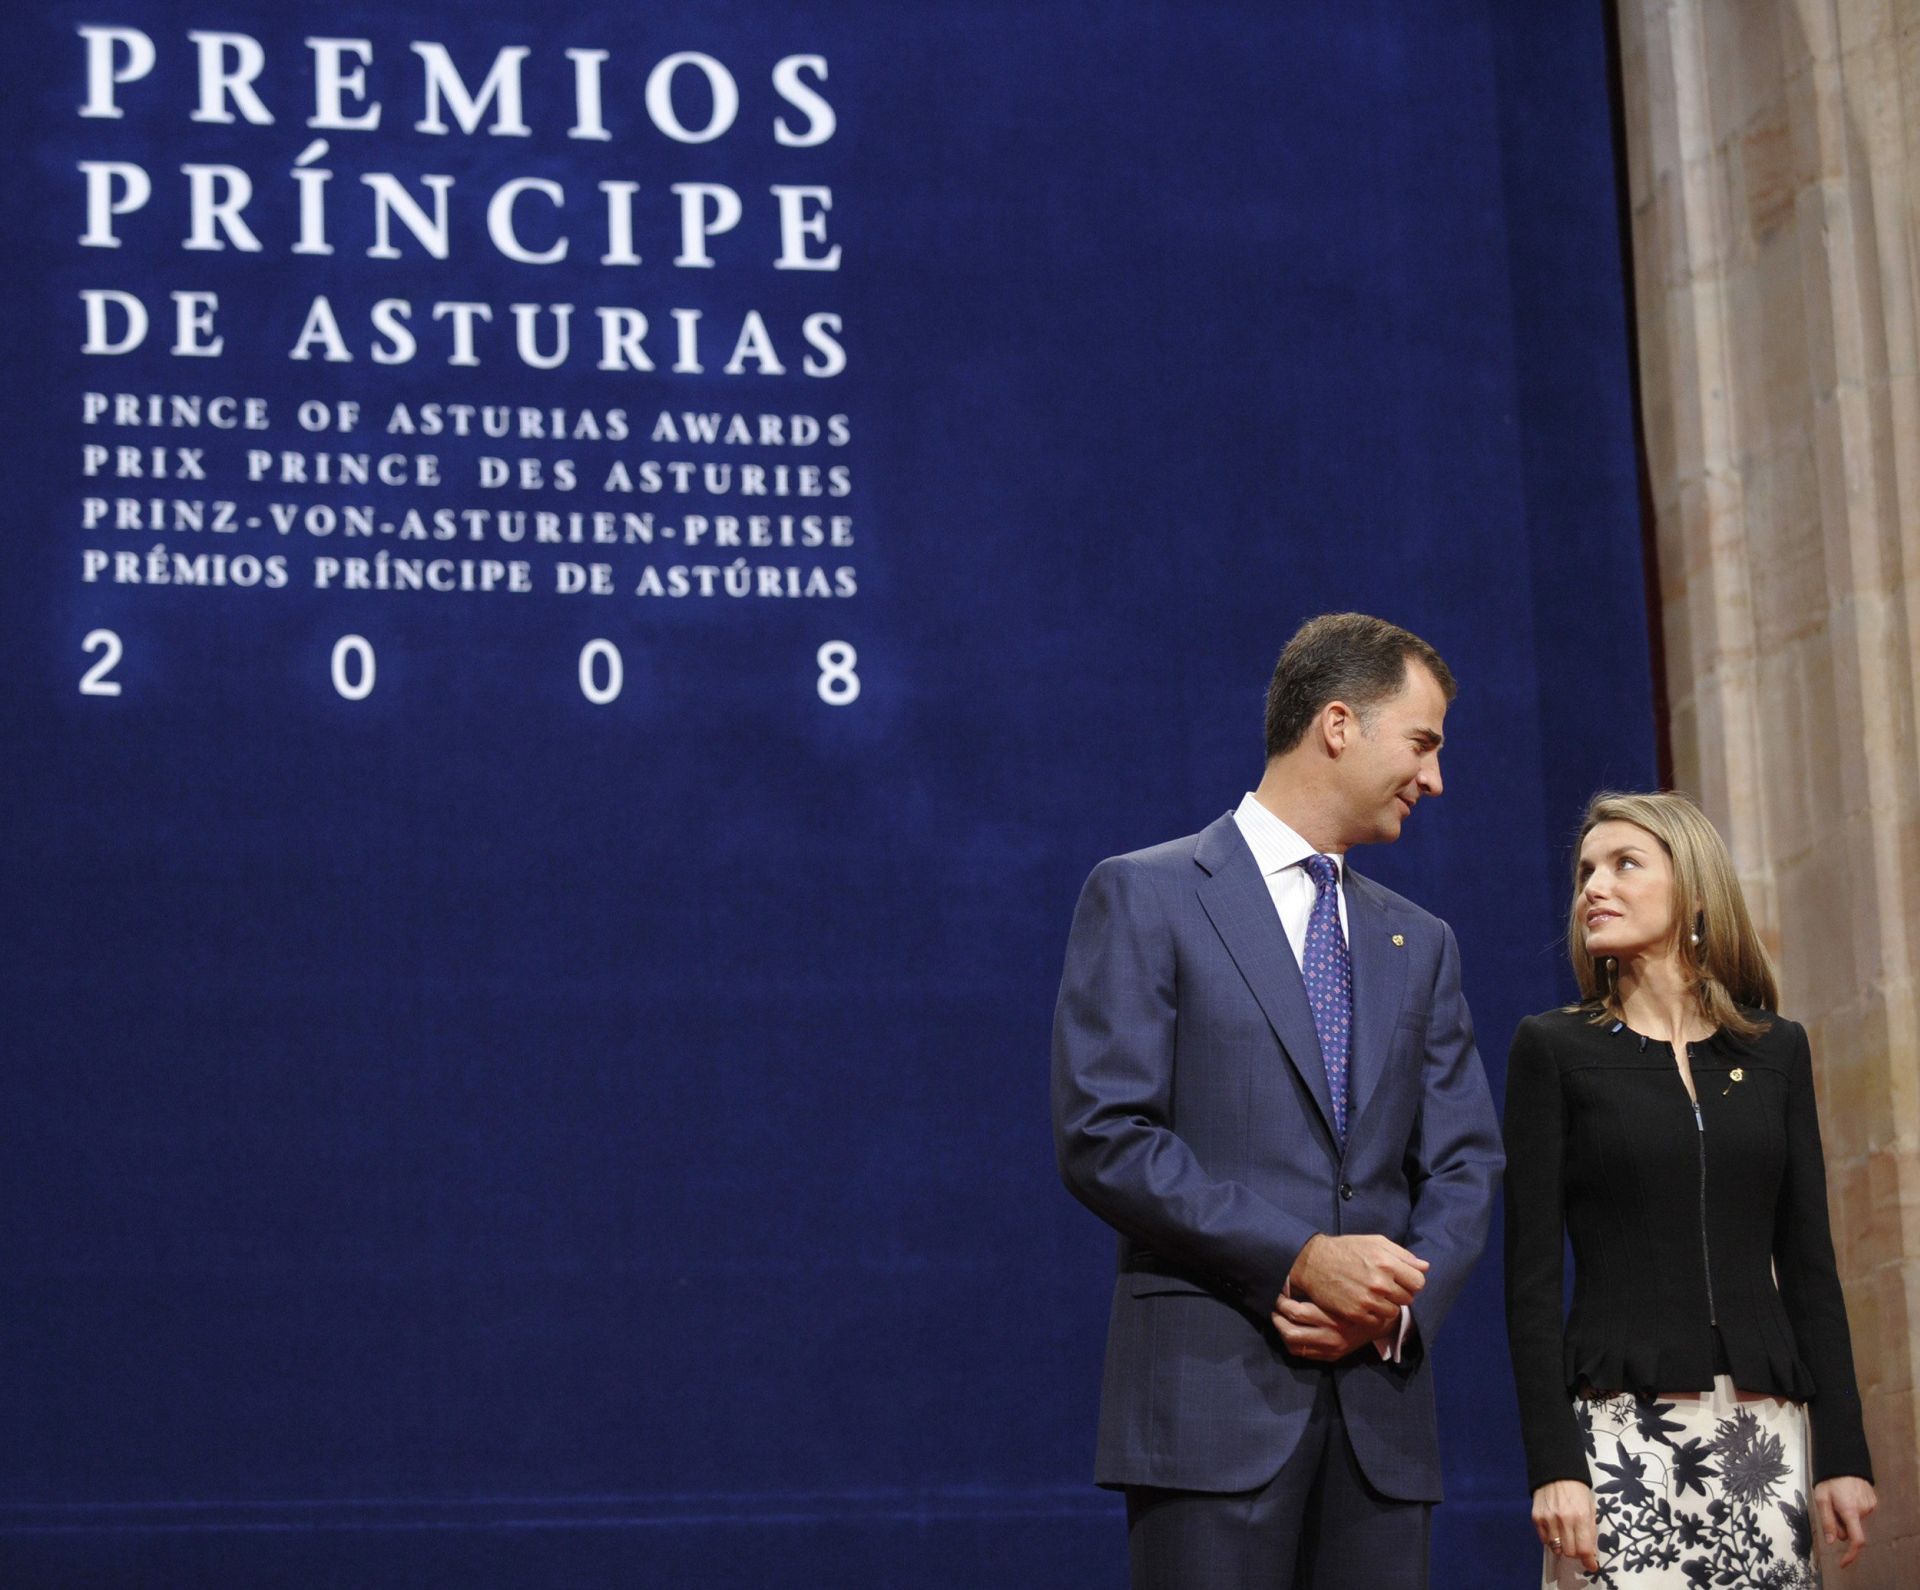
[1275,846]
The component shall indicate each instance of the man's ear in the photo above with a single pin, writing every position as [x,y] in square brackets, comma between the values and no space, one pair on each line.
[1338,726]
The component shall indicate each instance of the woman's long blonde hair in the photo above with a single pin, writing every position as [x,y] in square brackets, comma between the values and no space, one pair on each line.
[1719,951]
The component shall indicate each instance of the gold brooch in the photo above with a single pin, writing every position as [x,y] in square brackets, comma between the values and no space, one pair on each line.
[1398,940]
[1737,1074]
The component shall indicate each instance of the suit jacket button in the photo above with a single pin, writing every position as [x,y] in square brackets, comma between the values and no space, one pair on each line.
[1345,1190]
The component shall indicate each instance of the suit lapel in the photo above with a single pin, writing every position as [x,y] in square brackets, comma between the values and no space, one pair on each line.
[1379,988]
[1240,906]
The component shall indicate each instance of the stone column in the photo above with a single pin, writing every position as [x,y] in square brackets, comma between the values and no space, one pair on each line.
[1774,181]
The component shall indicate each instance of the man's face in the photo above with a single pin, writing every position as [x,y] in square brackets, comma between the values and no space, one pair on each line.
[1392,759]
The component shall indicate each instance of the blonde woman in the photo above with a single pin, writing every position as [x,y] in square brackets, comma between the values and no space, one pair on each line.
[1666,1125]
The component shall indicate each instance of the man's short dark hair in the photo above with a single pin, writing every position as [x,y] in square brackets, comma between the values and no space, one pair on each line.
[1346,657]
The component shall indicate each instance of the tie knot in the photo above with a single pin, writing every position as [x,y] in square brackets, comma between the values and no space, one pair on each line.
[1322,870]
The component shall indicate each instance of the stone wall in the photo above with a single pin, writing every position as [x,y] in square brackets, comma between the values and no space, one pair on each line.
[1774,181]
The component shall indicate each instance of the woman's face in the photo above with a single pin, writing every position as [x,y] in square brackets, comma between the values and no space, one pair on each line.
[1624,903]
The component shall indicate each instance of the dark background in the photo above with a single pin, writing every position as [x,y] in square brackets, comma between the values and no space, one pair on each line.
[471,1136]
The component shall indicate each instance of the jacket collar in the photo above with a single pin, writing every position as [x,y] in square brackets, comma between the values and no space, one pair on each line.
[1237,901]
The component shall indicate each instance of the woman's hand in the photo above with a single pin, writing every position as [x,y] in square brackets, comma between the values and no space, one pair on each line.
[1563,1514]
[1842,1506]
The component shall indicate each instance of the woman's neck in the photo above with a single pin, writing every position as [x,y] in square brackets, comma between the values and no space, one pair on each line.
[1658,999]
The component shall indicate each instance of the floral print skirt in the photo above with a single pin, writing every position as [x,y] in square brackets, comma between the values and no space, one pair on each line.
[1696,1489]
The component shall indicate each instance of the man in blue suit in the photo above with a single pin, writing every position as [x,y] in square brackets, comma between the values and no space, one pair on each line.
[1264,1078]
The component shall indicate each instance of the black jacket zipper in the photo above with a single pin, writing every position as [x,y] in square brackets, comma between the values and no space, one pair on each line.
[1700,1135]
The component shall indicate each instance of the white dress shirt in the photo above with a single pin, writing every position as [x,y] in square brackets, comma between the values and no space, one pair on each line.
[1278,852]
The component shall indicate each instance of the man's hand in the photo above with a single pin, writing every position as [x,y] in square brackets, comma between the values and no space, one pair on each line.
[1309,1331]
[1564,1519]
[1842,1506]
[1361,1282]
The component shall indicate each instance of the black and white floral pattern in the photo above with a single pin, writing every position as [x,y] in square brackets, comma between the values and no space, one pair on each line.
[1698,1492]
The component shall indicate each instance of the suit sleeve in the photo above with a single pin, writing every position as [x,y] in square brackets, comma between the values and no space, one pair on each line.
[1810,1284]
[1536,1130]
[1114,1134]
[1455,1157]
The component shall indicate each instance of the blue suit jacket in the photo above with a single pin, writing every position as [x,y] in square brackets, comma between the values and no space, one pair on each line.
[1191,1113]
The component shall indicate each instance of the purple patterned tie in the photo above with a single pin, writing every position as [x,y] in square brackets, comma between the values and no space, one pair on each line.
[1329,975]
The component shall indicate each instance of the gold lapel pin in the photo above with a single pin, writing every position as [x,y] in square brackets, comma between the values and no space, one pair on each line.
[1737,1074]
[1399,940]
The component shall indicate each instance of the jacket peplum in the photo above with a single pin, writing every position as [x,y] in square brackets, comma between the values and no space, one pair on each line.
[1678,1228]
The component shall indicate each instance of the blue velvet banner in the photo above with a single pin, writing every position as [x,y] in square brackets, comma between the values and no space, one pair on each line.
[583,588]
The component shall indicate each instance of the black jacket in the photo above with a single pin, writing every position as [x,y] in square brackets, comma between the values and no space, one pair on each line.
[1677,1227]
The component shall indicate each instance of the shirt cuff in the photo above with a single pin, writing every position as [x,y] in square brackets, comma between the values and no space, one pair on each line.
[1390,1345]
